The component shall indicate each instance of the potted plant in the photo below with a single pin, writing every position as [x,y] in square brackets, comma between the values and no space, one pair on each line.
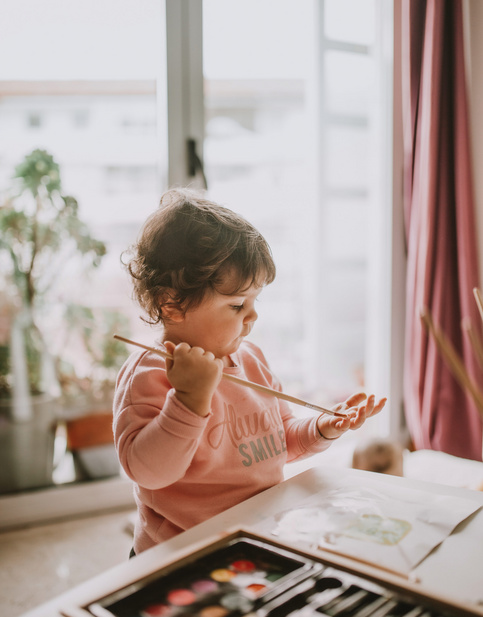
[40,234]
[87,372]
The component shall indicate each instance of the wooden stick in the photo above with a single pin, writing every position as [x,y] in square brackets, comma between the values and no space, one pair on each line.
[474,340]
[479,300]
[452,359]
[243,382]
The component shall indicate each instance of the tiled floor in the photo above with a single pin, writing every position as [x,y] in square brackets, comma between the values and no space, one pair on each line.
[39,563]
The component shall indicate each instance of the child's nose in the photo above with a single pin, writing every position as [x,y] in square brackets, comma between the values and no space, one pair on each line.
[252,315]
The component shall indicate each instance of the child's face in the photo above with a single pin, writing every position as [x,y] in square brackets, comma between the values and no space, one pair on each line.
[219,324]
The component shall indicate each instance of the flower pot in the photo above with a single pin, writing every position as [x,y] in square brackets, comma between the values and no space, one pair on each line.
[91,441]
[27,447]
[28,409]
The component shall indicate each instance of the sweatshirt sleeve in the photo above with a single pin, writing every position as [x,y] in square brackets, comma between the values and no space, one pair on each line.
[156,436]
[301,434]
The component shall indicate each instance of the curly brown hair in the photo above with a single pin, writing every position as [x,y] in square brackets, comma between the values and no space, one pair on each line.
[185,249]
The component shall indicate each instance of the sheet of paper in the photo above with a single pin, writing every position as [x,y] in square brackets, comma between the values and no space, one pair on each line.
[394,529]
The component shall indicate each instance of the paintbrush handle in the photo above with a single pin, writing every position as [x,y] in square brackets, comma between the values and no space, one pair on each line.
[479,300]
[456,366]
[242,382]
[474,340]
[281,395]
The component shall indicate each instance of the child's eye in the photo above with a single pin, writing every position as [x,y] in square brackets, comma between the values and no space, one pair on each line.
[237,307]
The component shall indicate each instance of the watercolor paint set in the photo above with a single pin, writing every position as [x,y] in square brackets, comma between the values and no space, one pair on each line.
[249,575]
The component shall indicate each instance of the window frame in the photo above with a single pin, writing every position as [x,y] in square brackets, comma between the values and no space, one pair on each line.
[184,87]
[385,331]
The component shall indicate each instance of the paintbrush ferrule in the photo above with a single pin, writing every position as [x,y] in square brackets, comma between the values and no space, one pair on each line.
[323,410]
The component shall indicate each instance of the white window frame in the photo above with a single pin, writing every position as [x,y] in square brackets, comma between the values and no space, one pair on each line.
[394,194]
[386,262]
[184,87]
[385,330]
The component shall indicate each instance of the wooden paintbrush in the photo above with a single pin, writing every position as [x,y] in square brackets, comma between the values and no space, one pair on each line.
[243,382]
[455,364]
[474,340]
[479,300]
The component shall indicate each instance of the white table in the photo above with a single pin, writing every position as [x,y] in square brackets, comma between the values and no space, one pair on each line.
[454,569]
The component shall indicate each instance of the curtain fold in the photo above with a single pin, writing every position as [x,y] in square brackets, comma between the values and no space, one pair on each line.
[442,260]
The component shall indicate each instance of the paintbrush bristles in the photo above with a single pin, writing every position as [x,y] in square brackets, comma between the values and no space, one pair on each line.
[243,382]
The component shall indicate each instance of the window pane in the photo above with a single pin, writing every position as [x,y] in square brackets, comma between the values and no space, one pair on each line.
[299,168]
[349,77]
[347,220]
[254,39]
[351,21]
[347,162]
[80,84]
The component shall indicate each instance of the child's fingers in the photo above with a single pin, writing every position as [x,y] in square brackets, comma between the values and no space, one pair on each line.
[332,427]
[375,409]
[366,411]
[355,399]
[340,423]
[210,355]
[380,406]
[370,405]
[356,414]
[181,349]
[358,419]
[169,346]
[352,401]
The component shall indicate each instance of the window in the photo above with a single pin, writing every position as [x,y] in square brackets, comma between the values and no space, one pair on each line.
[74,88]
[80,118]
[294,110]
[34,120]
[290,106]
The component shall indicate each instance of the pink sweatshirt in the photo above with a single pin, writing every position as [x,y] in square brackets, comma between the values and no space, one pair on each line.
[187,468]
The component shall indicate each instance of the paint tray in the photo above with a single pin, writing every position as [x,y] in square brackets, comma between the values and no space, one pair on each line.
[232,579]
[249,575]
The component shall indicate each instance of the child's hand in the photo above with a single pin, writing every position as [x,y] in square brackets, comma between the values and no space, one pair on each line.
[194,373]
[357,407]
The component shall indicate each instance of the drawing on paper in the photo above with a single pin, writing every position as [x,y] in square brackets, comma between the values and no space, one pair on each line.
[375,528]
[402,525]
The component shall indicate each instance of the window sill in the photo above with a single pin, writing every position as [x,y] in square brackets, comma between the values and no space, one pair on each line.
[35,507]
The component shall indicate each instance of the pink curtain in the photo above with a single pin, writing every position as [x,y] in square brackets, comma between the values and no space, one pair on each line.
[442,263]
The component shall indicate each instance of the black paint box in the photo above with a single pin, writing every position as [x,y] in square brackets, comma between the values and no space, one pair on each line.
[249,575]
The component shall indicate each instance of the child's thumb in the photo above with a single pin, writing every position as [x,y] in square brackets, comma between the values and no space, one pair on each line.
[170,347]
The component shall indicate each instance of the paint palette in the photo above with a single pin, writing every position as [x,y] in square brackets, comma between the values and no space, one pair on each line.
[231,580]
[250,576]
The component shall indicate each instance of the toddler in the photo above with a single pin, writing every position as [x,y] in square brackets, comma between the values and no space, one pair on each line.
[194,444]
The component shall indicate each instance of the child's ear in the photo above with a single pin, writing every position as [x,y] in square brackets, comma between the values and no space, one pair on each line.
[172,312]
[170,308]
